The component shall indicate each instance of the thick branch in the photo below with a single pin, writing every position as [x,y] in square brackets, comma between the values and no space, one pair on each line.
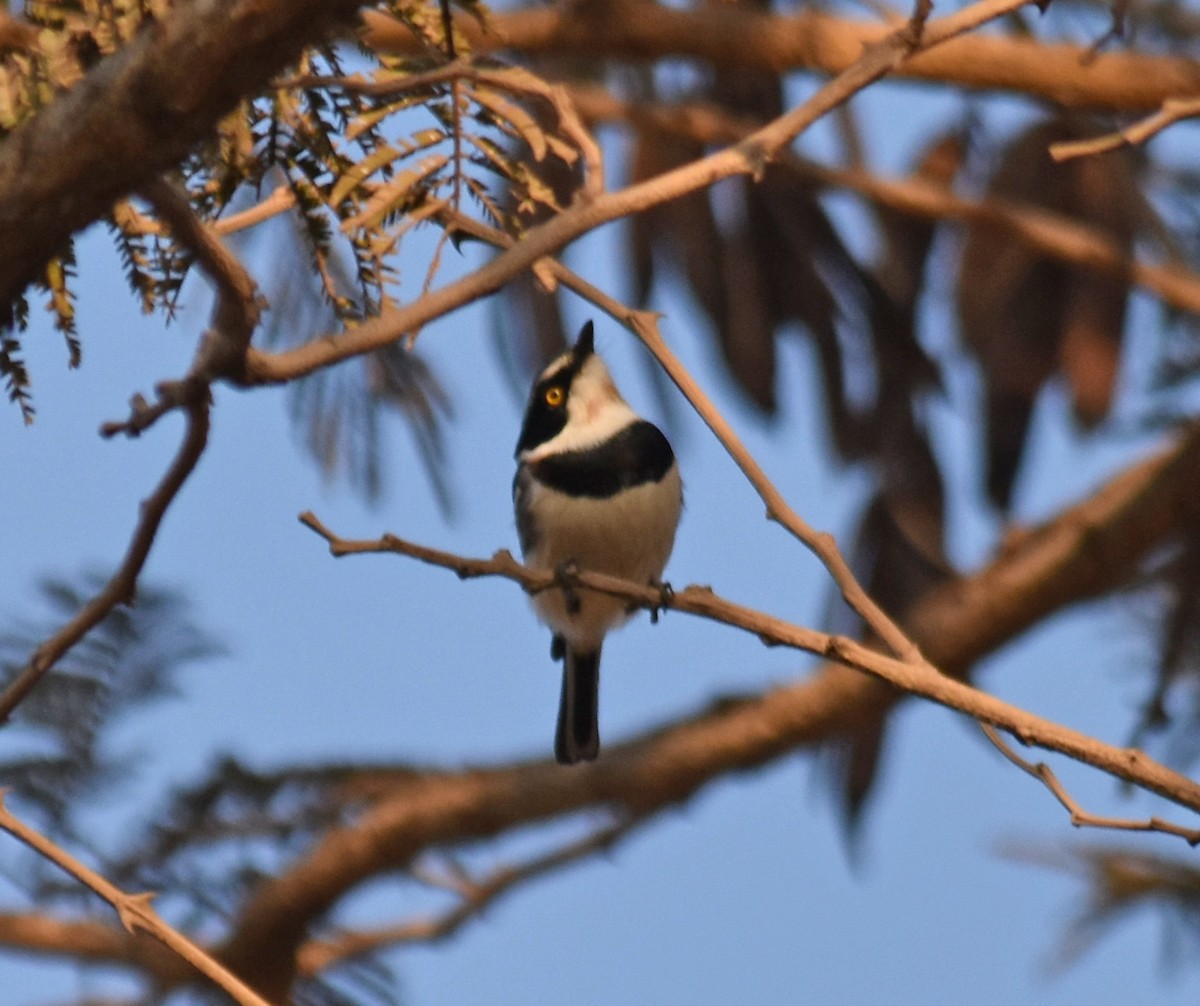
[88,940]
[137,114]
[737,37]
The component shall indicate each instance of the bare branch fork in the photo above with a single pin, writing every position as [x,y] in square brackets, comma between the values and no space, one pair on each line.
[921,679]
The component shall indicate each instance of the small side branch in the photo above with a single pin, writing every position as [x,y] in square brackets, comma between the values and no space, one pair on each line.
[1173,110]
[1081,818]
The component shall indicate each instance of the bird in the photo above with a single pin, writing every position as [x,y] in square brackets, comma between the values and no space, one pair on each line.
[597,488]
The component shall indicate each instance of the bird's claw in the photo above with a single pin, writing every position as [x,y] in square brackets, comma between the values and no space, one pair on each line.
[666,597]
[565,575]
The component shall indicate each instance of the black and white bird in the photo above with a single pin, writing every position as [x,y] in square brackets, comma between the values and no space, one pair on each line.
[596,486]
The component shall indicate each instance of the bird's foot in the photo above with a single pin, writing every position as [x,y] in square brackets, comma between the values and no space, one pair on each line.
[565,574]
[666,597]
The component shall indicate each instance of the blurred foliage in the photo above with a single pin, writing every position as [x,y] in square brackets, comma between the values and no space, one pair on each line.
[61,757]
[1120,883]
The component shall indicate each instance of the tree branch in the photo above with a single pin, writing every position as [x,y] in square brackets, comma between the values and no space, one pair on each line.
[192,394]
[916,678]
[474,896]
[134,910]
[87,940]
[138,113]
[727,36]
[1081,818]
[221,352]
[1173,110]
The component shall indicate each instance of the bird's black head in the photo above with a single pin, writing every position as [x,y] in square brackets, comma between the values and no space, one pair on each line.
[546,413]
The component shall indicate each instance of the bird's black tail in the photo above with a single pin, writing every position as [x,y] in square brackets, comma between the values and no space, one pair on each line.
[578,736]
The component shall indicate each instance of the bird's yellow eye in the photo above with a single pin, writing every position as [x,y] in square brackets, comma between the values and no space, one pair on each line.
[555,396]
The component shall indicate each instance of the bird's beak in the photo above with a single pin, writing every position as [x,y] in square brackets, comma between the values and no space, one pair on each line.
[585,345]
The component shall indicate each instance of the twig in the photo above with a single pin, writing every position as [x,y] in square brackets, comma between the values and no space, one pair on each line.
[1081,818]
[134,910]
[1127,764]
[1173,110]
[238,306]
[281,199]
[120,589]
[474,897]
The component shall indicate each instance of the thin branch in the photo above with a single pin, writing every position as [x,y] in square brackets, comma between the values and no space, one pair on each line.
[1081,818]
[193,398]
[134,910]
[281,199]
[1173,110]
[475,896]
[1127,764]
